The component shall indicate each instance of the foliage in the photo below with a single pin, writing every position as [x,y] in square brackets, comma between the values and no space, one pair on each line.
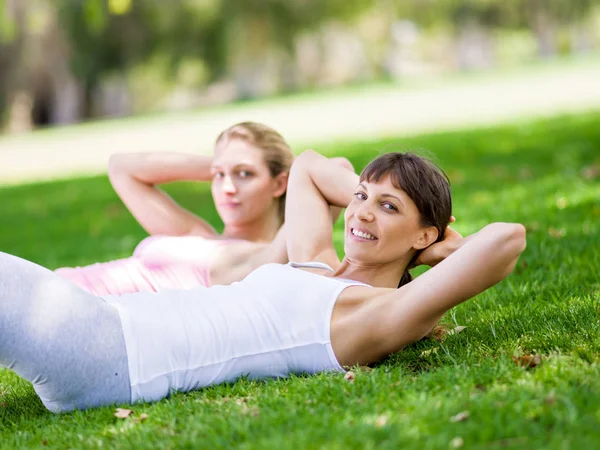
[466,390]
[104,40]
[493,13]
[228,39]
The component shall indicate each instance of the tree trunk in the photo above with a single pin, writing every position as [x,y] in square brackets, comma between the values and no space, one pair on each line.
[252,61]
[545,30]
[474,46]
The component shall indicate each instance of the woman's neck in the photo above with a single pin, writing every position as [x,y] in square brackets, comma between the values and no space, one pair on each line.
[263,229]
[377,275]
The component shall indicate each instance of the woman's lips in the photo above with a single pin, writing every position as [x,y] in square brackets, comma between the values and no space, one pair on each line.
[230,204]
[361,235]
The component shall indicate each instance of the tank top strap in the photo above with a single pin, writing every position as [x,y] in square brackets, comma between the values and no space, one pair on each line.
[311,265]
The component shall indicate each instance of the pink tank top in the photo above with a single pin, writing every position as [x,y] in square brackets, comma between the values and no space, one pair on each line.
[158,262]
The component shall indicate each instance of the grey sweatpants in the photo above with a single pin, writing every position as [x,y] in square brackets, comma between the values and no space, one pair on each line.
[69,344]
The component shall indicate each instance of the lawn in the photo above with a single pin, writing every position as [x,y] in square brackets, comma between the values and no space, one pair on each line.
[463,392]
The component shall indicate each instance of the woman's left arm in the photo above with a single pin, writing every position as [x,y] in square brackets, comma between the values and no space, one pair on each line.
[474,264]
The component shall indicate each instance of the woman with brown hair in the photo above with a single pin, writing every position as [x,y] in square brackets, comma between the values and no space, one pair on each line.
[312,315]
[248,173]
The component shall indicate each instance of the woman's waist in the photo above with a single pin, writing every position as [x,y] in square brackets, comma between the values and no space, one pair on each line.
[132,275]
[178,360]
[210,324]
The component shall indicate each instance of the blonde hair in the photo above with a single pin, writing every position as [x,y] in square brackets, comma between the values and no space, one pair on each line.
[276,151]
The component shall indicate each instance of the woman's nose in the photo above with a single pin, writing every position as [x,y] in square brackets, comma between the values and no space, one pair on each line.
[228,185]
[363,212]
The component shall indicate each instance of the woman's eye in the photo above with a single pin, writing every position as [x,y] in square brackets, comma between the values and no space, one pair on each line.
[218,175]
[245,174]
[360,195]
[390,207]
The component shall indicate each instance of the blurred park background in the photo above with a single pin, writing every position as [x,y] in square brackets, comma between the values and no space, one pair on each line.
[328,70]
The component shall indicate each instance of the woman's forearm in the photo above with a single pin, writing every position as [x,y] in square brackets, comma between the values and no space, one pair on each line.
[135,176]
[336,182]
[160,167]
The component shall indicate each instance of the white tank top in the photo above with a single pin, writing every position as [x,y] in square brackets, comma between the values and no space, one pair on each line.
[273,323]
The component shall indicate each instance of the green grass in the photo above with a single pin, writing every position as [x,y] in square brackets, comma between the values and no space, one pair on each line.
[533,173]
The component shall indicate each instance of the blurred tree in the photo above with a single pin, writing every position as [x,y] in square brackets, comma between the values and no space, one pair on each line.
[11,41]
[56,53]
[232,37]
[470,21]
[248,34]
[545,17]
[542,17]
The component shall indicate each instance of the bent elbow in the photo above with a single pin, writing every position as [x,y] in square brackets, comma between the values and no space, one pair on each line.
[507,242]
[514,244]
[509,236]
[517,239]
[303,162]
[305,158]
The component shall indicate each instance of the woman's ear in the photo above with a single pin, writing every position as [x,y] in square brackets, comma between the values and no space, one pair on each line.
[280,184]
[426,237]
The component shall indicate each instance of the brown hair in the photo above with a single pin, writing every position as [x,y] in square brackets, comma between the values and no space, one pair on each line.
[277,153]
[423,181]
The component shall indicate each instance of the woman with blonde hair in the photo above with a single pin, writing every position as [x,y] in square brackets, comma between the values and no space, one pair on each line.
[248,173]
[312,315]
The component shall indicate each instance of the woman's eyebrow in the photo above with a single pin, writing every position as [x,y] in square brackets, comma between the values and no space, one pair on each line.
[394,197]
[384,195]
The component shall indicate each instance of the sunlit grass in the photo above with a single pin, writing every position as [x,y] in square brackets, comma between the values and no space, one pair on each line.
[544,174]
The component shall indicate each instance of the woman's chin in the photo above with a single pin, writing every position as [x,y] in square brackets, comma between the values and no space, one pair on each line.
[233,218]
[359,254]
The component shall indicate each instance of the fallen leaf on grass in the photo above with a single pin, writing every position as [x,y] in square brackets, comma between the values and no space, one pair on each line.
[440,332]
[431,351]
[122,413]
[460,417]
[350,376]
[456,330]
[457,442]
[527,361]
[381,421]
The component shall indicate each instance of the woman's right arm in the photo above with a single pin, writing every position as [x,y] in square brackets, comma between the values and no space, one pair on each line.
[135,177]
[315,184]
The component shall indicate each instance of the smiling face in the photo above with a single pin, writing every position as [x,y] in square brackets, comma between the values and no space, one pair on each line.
[383,224]
[243,189]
